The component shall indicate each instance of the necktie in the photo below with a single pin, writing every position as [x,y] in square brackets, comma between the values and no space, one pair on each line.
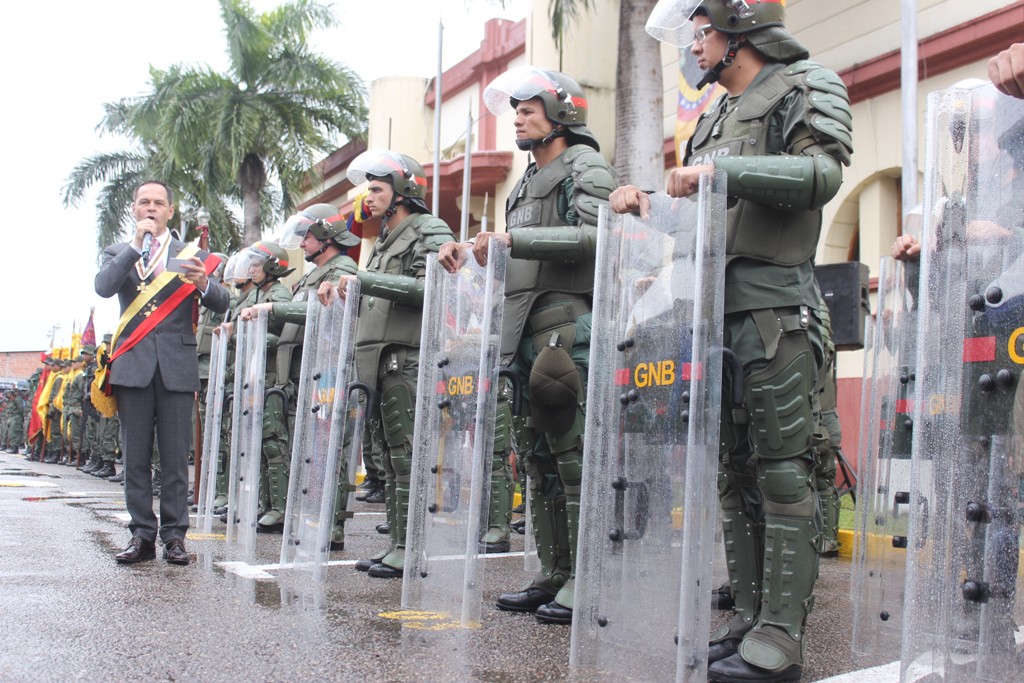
[159,266]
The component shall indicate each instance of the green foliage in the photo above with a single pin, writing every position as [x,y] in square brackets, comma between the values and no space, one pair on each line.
[249,136]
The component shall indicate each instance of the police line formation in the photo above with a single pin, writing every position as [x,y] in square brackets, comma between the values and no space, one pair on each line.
[644,356]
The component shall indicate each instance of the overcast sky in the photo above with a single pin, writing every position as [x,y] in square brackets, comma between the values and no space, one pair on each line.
[62,59]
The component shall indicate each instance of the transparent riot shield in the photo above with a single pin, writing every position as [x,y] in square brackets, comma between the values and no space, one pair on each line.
[455,409]
[887,402]
[211,432]
[963,604]
[321,419]
[647,518]
[247,432]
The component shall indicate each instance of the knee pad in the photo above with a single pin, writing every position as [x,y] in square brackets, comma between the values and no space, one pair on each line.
[779,400]
[555,384]
[787,488]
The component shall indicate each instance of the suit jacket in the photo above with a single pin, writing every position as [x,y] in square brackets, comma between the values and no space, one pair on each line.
[172,340]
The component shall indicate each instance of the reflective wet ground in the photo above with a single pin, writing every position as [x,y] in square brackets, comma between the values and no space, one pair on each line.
[69,612]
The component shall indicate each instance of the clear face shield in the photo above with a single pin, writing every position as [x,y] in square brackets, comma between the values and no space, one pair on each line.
[233,274]
[671,22]
[521,83]
[380,163]
[294,231]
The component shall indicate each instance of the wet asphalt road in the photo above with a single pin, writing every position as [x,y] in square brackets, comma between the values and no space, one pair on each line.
[69,612]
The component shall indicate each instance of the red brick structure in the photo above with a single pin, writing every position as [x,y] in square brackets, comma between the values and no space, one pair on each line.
[18,366]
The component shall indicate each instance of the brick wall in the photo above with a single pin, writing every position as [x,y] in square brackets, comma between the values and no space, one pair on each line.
[18,365]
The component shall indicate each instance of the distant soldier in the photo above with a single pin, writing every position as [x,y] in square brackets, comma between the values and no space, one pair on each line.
[74,404]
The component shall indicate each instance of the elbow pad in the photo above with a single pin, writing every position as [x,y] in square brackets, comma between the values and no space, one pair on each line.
[565,244]
[402,289]
[785,182]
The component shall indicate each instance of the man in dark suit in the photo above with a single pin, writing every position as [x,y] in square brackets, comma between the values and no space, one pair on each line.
[154,372]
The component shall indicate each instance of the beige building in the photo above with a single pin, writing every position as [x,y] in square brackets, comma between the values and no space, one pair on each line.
[859,39]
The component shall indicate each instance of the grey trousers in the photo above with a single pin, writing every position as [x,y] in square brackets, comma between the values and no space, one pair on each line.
[170,413]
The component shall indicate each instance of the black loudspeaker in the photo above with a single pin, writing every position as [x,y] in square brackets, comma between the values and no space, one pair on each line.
[844,286]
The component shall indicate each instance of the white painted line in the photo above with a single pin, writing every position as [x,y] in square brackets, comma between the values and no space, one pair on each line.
[121,516]
[245,570]
[349,563]
[876,674]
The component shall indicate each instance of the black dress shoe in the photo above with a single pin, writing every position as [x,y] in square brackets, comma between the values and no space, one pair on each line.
[117,478]
[735,668]
[722,649]
[518,526]
[384,571]
[384,528]
[553,613]
[364,565]
[337,545]
[524,601]
[138,550]
[175,553]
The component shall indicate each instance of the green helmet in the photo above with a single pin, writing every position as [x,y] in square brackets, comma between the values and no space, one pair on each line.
[671,21]
[564,101]
[269,256]
[324,221]
[401,171]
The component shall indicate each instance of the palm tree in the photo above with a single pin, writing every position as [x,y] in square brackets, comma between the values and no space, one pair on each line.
[251,134]
[639,136]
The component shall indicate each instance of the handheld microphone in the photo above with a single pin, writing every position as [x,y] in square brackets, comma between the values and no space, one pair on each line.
[147,243]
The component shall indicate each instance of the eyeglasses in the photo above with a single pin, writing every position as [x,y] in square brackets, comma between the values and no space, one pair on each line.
[701,34]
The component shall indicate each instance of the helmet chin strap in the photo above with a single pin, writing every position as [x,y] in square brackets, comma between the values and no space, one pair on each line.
[714,73]
[530,145]
[326,244]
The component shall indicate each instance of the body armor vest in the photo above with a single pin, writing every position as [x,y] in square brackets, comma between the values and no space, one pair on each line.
[534,202]
[740,128]
[382,321]
[288,362]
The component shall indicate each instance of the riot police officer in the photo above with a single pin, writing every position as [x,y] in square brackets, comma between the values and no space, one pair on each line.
[550,230]
[781,117]
[266,263]
[322,234]
[390,317]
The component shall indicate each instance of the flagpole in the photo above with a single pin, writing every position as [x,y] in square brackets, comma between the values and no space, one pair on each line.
[436,203]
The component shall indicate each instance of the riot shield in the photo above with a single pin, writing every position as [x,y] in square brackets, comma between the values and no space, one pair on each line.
[320,429]
[247,432]
[964,591]
[211,432]
[647,518]
[454,436]
[887,400]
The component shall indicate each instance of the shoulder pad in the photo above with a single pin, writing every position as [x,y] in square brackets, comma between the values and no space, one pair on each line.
[593,180]
[344,264]
[826,107]
[432,225]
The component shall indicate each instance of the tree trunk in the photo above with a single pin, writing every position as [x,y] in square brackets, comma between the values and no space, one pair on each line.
[252,178]
[639,103]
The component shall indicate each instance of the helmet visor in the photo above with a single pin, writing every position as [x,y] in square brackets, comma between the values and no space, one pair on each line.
[380,163]
[671,21]
[249,264]
[526,82]
[294,231]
